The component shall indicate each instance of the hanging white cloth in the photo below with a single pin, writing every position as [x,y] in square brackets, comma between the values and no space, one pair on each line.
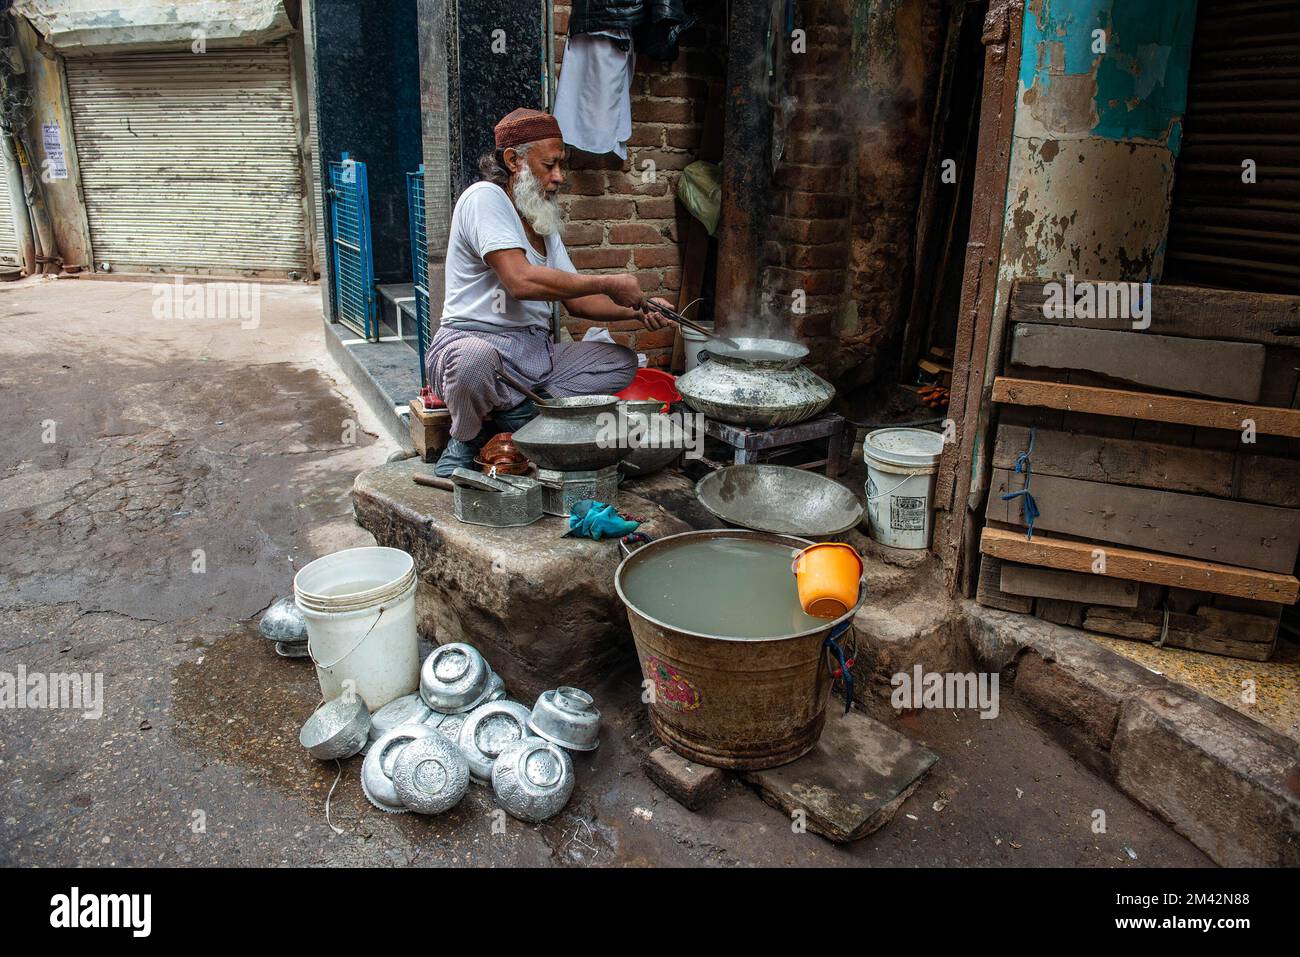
[592,101]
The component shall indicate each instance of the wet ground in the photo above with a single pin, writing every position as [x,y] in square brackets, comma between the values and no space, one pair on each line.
[191,466]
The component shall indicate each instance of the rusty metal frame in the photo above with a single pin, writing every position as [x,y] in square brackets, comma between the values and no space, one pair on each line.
[956,536]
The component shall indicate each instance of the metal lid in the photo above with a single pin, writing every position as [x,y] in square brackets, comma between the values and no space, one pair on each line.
[917,448]
[568,717]
[488,730]
[337,729]
[454,678]
[533,779]
[377,769]
[430,775]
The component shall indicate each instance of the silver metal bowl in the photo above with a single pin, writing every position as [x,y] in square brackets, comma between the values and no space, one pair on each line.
[568,717]
[450,725]
[337,729]
[430,775]
[533,779]
[284,622]
[488,730]
[292,649]
[454,678]
[377,769]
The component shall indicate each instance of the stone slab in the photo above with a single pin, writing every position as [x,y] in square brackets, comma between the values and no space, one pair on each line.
[852,782]
[689,784]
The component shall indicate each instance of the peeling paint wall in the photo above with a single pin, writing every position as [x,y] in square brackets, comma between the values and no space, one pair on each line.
[1096,136]
[101,26]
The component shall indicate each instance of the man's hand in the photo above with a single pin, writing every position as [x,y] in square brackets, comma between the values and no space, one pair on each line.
[624,290]
[652,319]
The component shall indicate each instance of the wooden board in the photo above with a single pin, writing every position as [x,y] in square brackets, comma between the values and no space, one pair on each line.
[989,592]
[1212,630]
[1149,406]
[1129,563]
[1153,464]
[1223,370]
[1195,526]
[1052,583]
[1187,311]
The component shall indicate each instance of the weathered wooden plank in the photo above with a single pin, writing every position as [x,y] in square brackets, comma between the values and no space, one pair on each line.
[1067,586]
[1213,367]
[1140,566]
[1060,612]
[1187,311]
[989,593]
[1231,416]
[1212,630]
[1195,526]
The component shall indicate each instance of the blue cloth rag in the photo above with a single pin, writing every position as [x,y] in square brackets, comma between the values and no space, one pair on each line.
[591,519]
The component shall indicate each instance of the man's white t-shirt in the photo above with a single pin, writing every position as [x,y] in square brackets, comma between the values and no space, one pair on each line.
[484,221]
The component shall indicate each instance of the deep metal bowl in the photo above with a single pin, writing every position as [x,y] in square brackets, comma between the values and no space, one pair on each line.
[337,729]
[430,775]
[777,498]
[454,678]
[488,730]
[377,769]
[568,717]
[533,779]
[408,709]
[283,621]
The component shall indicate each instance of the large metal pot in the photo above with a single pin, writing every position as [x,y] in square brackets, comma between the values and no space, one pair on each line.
[757,383]
[732,703]
[575,434]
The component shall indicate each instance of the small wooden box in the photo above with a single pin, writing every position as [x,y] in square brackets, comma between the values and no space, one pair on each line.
[429,430]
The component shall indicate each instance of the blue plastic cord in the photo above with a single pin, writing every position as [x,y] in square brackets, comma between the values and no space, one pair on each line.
[1028,507]
[844,665]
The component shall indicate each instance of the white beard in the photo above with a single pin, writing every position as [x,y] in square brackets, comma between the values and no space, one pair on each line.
[538,211]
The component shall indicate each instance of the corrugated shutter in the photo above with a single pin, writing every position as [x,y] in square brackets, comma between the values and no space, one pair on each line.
[318,207]
[1244,88]
[190,161]
[9,254]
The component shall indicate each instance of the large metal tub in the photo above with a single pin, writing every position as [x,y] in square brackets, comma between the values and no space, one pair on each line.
[743,704]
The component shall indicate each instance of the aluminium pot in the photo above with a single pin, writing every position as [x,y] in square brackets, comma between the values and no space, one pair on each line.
[740,704]
[758,383]
[574,434]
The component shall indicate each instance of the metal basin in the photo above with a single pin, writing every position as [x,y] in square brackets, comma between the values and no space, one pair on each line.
[758,383]
[776,498]
[734,703]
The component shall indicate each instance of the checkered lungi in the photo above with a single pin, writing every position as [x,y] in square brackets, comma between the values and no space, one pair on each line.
[462,367]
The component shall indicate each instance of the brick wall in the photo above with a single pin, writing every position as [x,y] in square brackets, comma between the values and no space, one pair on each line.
[616,221]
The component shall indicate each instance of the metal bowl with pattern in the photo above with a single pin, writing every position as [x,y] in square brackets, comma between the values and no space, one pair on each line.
[568,717]
[408,709]
[533,779]
[454,678]
[488,730]
[430,775]
[337,729]
[377,769]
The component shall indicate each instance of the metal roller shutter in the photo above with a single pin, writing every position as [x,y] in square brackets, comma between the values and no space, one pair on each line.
[9,254]
[190,161]
[1244,87]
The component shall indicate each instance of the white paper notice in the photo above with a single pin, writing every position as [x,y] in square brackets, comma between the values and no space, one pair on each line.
[56,167]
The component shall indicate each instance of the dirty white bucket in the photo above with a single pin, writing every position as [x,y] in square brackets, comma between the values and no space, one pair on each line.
[901,464]
[692,343]
[360,609]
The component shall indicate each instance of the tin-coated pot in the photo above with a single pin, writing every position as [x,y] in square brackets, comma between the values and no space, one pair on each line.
[377,768]
[337,729]
[533,779]
[572,434]
[284,622]
[568,717]
[488,730]
[454,678]
[757,383]
[743,704]
[430,775]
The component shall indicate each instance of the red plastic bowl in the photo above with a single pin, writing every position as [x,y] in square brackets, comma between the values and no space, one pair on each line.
[652,384]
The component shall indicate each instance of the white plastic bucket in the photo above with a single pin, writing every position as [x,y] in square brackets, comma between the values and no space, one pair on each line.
[901,464]
[360,609]
[692,343]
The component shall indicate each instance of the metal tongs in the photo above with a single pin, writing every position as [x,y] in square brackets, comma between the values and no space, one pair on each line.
[677,317]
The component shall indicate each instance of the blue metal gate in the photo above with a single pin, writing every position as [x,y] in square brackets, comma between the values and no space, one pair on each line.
[419,261]
[355,302]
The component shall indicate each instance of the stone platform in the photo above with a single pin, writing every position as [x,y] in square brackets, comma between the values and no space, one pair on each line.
[542,608]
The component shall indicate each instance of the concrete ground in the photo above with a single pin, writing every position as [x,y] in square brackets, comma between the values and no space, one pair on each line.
[161,480]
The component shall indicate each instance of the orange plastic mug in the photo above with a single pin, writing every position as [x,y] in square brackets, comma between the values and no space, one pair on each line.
[828,575]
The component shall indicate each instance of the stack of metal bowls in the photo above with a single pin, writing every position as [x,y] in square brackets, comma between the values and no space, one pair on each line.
[455,678]
[433,780]
[284,624]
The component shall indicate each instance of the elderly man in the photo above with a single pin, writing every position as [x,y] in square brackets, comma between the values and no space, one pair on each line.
[505,264]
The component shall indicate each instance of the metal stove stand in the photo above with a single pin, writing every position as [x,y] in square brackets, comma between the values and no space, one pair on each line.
[750,444]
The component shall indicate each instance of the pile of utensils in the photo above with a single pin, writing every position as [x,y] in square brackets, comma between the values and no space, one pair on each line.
[284,624]
[423,750]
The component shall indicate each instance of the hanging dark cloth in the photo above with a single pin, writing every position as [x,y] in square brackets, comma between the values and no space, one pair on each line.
[656,25]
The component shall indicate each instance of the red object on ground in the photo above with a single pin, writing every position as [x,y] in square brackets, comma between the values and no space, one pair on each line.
[652,384]
[431,401]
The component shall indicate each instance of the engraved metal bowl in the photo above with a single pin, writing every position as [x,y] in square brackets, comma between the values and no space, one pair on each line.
[430,775]
[284,622]
[450,725]
[568,717]
[454,678]
[488,730]
[377,769]
[337,729]
[533,779]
